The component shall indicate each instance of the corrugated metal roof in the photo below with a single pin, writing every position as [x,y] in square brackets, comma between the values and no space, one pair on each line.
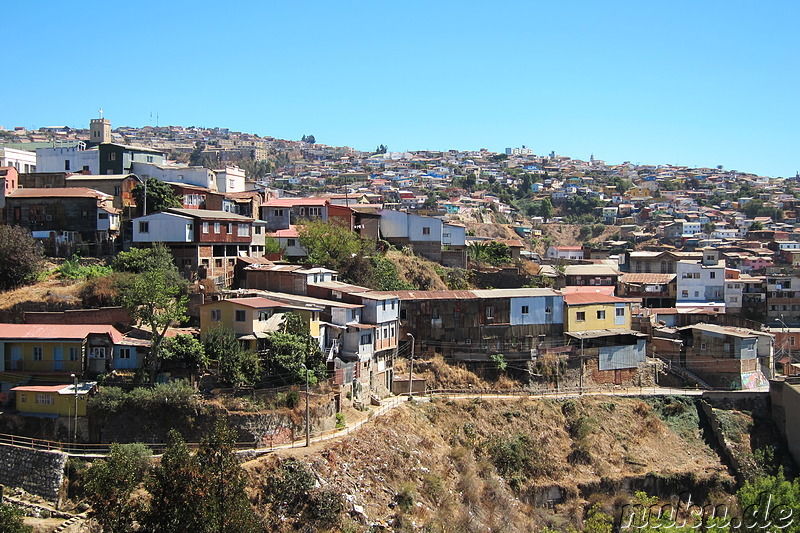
[254,302]
[209,214]
[647,278]
[597,333]
[292,202]
[57,331]
[581,298]
[727,330]
[62,192]
[591,270]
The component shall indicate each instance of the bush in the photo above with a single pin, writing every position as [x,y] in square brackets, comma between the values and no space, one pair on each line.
[72,269]
[340,422]
[21,259]
[405,497]
[11,520]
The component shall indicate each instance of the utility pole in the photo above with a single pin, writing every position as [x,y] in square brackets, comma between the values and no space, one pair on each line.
[411,366]
[580,366]
[75,384]
[308,423]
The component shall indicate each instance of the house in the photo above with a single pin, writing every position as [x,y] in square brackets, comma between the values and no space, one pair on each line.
[280,213]
[118,186]
[253,318]
[19,160]
[565,252]
[204,243]
[599,328]
[429,237]
[702,282]
[74,214]
[591,275]
[727,357]
[56,351]
[656,262]
[655,290]
[472,325]
[52,401]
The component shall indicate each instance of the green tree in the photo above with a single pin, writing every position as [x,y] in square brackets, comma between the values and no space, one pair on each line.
[139,260]
[775,493]
[160,196]
[500,362]
[185,350]
[203,493]
[756,226]
[21,259]
[11,520]
[329,245]
[597,521]
[236,366]
[291,348]
[272,246]
[157,299]
[110,482]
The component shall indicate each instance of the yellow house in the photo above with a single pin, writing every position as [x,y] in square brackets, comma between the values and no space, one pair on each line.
[53,400]
[56,348]
[251,319]
[589,311]
[639,192]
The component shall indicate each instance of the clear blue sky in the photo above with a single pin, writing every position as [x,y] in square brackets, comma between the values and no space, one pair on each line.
[700,83]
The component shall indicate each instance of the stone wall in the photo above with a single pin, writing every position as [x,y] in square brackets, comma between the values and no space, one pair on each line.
[39,472]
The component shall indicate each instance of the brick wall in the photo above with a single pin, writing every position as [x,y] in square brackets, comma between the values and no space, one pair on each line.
[104,315]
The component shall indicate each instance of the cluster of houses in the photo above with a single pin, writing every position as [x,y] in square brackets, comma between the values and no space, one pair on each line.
[698,299]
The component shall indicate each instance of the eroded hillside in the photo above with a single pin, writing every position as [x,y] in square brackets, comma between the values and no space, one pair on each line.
[511,465]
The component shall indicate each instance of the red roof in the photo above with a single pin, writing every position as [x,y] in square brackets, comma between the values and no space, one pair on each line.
[583,298]
[57,331]
[61,192]
[608,290]
[255,302]
[40,388]
[289,233]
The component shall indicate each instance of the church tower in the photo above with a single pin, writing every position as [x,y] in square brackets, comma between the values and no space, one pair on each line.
[100,130]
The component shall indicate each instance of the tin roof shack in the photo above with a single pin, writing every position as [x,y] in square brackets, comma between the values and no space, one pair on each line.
[291,279]
[118,186]
[473,325]
[728,357]
[76,214]
[655,290]
[609,356]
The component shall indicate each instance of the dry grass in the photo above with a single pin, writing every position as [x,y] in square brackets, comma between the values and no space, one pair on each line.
[441,451]
[417,271]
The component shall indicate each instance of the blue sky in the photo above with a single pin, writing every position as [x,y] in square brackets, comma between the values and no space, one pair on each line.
[700,83]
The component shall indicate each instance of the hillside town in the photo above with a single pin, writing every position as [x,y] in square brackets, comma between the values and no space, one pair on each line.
[562,275]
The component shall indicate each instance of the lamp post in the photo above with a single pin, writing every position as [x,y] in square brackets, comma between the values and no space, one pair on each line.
[411,366]
[75,429]
[308,424]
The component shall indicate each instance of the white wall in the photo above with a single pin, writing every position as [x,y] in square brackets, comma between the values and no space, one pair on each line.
[457,235]
[164,227]
[53,159]
[22,160]
[230,179]
[198,176]
[394,224]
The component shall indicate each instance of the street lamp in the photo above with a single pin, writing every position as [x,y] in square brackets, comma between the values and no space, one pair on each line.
[308,434]
[411,365]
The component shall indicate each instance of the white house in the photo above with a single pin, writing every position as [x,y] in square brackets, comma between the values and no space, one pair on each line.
[163,227]
[68,157]
[22,160]
[703,281]
[199,176]
[565,252]
[230,179]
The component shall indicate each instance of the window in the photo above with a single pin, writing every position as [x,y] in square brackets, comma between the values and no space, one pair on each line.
[620,311]
[66,164]
[580,316]
[524,309]
[384,305]
[257,230]
[240,315]
[216,315]
[490,312]
[393,302]
[712,275]
[98,352]
[230,228]
[144,227]
[112,156]
[702,346]
[277,212]
[205,227]
[263,316]
[37,353]
[243,230]
[216,227]
[117,190]
[791,341]
[601,314]
[149,158]
[218,263]
[426,231]
[291,242]
[44,399]
[74,353]
[102,216]
[684,294]
[366,339]
[548,310]
[315,211]
[124,353]
[23,398]
[403,314]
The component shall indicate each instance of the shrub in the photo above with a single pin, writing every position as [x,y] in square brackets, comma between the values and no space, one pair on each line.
[405,496]
[21,259]
[340,422]
[72,269]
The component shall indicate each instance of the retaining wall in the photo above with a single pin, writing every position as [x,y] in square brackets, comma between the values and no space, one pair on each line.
[38,472]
